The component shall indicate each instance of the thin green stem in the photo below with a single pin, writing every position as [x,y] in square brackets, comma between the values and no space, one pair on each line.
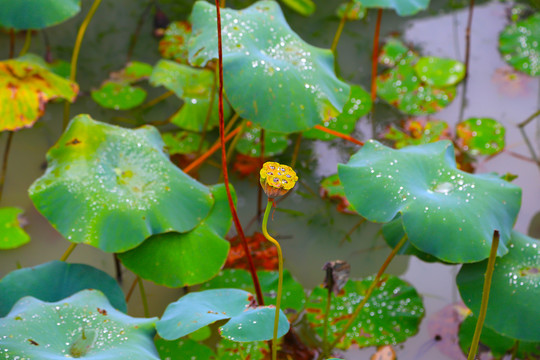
[131,289]
[372,287]
[68,252]
[156,100]
[485,296]
[27,41]
[296,150]
[5,162]
[515,350]
[521,127]
[143,297]
[11,43]
[326,314]
[341,26]
[280,270]
[75,55]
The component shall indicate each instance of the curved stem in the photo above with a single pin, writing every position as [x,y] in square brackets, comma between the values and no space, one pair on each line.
[27,41]
[131,289]
[234,214]
[485,296]
[340,135]
[75,55]
[296,150]
[5,162]
[373,286]
[467,57]
[280,270]
[68,252]
[340,27]
[143,297]
[156,100]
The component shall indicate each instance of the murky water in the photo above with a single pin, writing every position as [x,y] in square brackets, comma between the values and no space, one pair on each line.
[312,240]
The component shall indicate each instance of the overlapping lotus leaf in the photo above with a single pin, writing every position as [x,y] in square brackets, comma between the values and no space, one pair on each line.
[56,280]
[515,285]
[249,144]
[481,136]
[440,72]
[174,43]
[194,86]
[445,212]
[303,7]
[25,88]
[271,76]
[417,132]
[11,233]
[83,325]
[332,188]
[118,96]
[356,12]
[112,187]
[358,105]
[36,14]
[393,51]
[391,315]
[402,7]
[198,309]
[230,350]
[176,260]
[184,142]
[184,349]
[519,46]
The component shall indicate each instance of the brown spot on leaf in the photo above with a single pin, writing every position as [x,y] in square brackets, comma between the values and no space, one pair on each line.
[102,311]
[33,342]
[74,141]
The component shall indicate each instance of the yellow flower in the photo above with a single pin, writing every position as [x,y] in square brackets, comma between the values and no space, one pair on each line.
[277,179]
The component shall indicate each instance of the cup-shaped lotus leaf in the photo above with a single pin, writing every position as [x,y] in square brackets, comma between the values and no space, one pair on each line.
[272,77]
[112,187]
[445,212]
[515,287]
[36,14]
[84,325]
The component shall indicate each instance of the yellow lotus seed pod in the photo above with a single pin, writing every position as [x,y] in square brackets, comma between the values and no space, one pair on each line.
[277,179]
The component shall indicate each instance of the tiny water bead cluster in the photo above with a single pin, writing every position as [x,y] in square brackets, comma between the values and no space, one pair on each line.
[277,179]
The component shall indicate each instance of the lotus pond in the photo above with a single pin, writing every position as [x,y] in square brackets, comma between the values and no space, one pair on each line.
[396,214]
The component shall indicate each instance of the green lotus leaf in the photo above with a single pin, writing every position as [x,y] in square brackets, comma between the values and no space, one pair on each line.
[118,96]
[184,349]
[112,187]
[402,88]
[59,67]
[24,89]
[519,46]
[446,212]
[83,325]
[56,280]
[184,142]
[481,136]
[174,43]
[358,105]
[440,72]
[391,315]
[195,310]
[303,7]
[402,7]
[11,233]
[271,76]
[515,285]
[418,133]
[393,51]
[357,11]
[133,72]
[293,296]
[194,86]
[231,350]
[393,232]
[497,344]
[249,144]
[187,259]
[36,14]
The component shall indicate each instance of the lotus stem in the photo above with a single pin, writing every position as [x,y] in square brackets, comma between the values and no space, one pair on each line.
[27,41]
[340,135]
[326,314]
[341,26]
[75,55]
[68,252]
[280,271]
[156,100]
[296,150]
[485,296]
[143,297]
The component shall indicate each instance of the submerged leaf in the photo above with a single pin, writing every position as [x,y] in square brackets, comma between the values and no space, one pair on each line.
[481,136]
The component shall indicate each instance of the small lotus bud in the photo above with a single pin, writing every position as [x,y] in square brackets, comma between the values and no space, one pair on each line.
[276,179]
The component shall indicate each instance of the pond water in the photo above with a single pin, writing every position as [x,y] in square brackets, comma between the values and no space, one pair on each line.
[314,239]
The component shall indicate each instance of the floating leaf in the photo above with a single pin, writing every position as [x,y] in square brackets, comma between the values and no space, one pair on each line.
[418,132]
[498,345]
[25,88]
[481,136]
[59,67]
[249,144]
[82,325]
[183,142]
[230,350]
[183,349]
[303,7]
[332,188]
[187,259]
[198,309]
[11,233]
[519,46]
[445,212]
[272,77]
[174,44]
[133,72]
[293,293]
[112,95]
[36,14]
[402,7]
[515,285]
[194,86]
[391,315]
[393,232]
[357,11]
[440,72]
[112,187]
[56,280]
[358,105]
[393,51]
